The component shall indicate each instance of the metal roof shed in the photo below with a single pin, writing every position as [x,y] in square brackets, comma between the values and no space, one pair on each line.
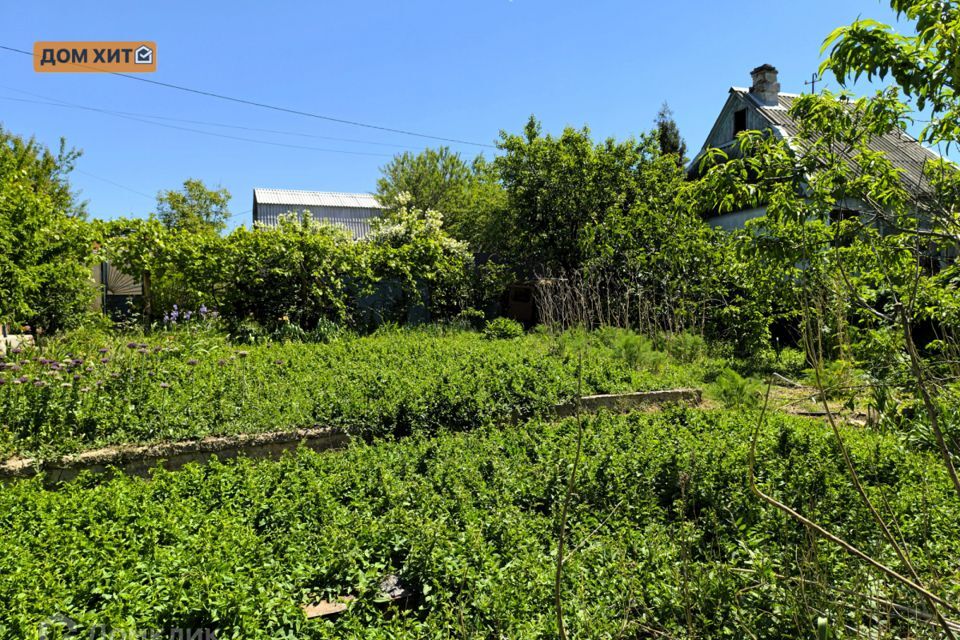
[352,211]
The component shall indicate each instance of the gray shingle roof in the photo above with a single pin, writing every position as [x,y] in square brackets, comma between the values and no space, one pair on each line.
[900,148]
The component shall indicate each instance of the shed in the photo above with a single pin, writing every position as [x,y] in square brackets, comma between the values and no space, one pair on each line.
[353,211]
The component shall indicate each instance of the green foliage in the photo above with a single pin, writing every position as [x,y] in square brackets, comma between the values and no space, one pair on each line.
[736,391]
[559,190]
[195,208]
[664,536]
[839,379]
[300,271]
[668,135]
[502,329]
[687,347]
[637,351]
[46,249]
[188,381]
[468,195]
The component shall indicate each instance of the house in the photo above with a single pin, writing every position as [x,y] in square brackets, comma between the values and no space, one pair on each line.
[764,107]
[353,211]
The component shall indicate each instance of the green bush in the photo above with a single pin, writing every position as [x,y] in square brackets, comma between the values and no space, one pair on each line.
[840,379]
[189,381]
[663,535]
[686,347]
[503,329]
[736,391]
[638,351]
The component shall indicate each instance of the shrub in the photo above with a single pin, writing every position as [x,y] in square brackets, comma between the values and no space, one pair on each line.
[503,329]
[470,318]
[638,351]
[325,331]
[736,391]
[840,379]
[662,524]
[686,347]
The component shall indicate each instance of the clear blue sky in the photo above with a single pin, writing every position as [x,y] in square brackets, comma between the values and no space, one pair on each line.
[463,69]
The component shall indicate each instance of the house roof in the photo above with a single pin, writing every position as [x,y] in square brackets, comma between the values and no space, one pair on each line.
[901,149]
[297,198]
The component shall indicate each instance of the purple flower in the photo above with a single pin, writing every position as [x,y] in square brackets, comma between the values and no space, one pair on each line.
[16,350]
[103,350]
[242,354]
[176,308]
[191,362]
[14,367]
[186,315]
[203,310]
[39,383]
[131,345]
[104,360]
[164,385]
[166,318]
[221,362]
[2,382]
[76,376]
[76,362]
[143,351]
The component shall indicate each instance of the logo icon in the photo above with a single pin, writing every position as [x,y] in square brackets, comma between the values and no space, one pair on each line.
[47,629]
[143,55]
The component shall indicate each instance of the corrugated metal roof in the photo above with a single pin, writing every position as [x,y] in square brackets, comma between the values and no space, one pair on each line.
[297,198]
[901,149]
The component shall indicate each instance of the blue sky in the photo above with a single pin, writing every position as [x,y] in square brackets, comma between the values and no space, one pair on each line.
[463,69]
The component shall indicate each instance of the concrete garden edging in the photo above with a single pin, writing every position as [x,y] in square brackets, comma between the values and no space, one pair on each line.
[137,460]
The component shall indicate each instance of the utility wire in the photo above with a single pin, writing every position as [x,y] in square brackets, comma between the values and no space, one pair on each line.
[116,184]
[263,105]
[70,105]
[299,134]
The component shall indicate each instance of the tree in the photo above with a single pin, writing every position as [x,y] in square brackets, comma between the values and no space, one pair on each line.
[194,208]
[45,245]
[564,194]
[876,275]
[668,135]
[924,65]
[469,196]
[434,179]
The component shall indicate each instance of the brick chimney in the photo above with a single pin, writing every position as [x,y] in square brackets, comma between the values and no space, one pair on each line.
[765,87]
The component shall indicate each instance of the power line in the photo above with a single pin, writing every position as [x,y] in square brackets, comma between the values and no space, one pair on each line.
[70,105]
[263,105]
[208,123]
[116,184]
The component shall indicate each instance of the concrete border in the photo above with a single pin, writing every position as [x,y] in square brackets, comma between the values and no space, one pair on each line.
[139,459]
[626,402]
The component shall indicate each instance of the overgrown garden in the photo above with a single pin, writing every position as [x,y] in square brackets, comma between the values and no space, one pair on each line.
[730,520]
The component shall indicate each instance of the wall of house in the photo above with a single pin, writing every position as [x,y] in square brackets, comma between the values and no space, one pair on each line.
[722,132]
[735,220]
